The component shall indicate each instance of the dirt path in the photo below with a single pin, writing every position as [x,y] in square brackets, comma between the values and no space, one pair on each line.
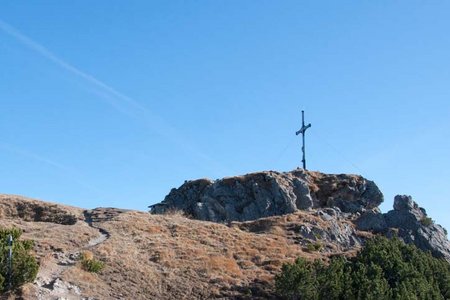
[103,234]
[49,282]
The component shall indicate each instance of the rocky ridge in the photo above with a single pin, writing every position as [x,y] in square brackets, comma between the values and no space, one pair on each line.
[264,194]
[351,197]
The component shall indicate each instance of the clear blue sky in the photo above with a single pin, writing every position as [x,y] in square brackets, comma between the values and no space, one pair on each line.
[113,103]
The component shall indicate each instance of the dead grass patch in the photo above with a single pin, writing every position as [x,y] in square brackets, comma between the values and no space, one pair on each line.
[223,264]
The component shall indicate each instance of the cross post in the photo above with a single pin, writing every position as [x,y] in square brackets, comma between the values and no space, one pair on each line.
[10,258]
[302,131]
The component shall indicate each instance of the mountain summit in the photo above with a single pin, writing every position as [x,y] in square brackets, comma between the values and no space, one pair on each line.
[223,239]
[264,194]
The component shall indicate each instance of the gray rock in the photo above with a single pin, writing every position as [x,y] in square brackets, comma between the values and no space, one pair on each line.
[406,214]
[332,233]
[345,205]
[404,203]
[372,221]
[264,194]
[410,223]
[416,227]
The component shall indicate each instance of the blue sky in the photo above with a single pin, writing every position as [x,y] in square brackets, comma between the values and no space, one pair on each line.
[113,103]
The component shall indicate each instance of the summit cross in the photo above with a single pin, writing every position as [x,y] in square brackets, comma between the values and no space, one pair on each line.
[302,131]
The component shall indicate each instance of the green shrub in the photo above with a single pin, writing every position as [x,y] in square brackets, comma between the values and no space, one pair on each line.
[90,264]
[312,247]
[383,269]
[24,265]
[426,221]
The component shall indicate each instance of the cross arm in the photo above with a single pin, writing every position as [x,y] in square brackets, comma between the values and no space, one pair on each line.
[303,129]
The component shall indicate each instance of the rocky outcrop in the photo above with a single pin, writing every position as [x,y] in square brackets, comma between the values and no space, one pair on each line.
[15,207]
[264,194]
[409,222]
[332,197]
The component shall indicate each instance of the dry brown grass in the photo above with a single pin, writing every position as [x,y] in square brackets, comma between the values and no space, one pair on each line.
[175,212]
[173,257]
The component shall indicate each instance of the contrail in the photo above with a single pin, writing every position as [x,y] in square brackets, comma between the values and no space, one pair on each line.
[63,64]
[134,109]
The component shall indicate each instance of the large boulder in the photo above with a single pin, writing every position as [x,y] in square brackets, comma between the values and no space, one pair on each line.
[416,227]
[372,220]
[410,223]
[263,194]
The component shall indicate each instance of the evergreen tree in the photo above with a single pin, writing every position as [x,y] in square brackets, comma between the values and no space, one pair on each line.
[383,269]
[24,265]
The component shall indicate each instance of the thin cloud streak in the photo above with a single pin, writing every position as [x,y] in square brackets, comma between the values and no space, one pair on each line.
[132,108]
[63,64]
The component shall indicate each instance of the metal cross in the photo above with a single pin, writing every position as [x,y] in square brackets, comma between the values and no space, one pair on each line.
[10,261]
[302,131]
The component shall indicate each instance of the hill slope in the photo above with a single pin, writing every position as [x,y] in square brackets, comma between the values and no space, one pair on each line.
[170,256]
[165,256]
